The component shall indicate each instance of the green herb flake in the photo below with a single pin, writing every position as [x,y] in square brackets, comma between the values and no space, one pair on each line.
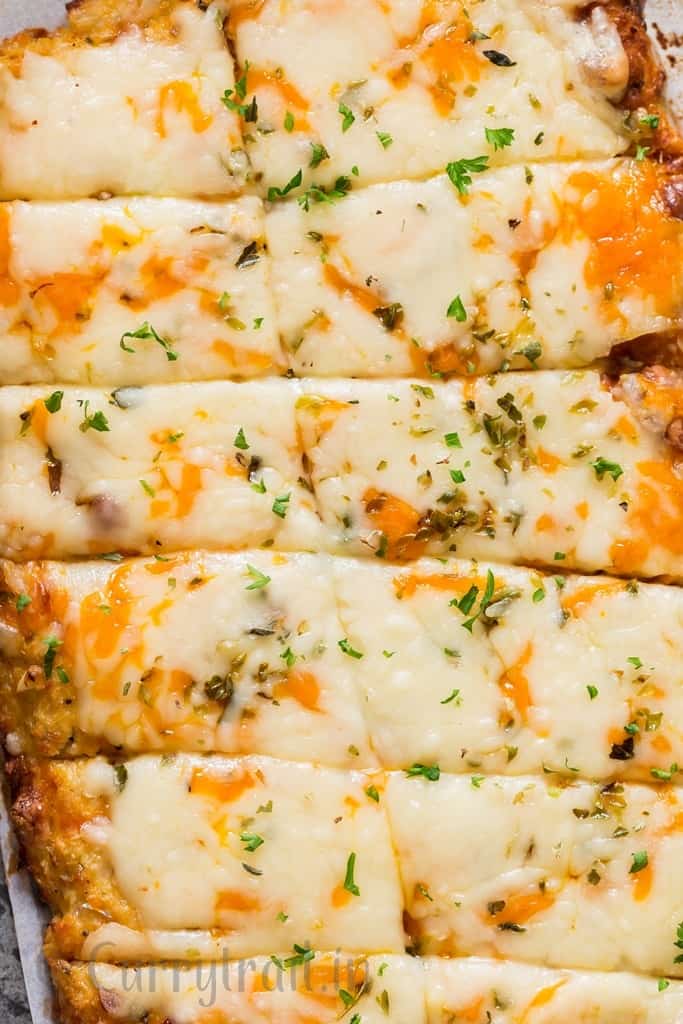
[241,441]
[499,138]
[145,333]
[640,861]
[347,115]
[346,647]
[93,421]
[53,403]
[251,841]
[281,505]
[259,580]
[453,698]
[431,772]
[604,466]
[318,154]
[460,172]
[275,193]
[349,883]
[51,644]
[457,310]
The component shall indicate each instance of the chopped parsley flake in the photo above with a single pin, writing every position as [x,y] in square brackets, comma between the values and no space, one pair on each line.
[53,403]
[281,505]
[349,883]
[51,643]
[251,841]
[275,193]
[602,466]
[664,774]
[431,772]
[241,441]
[640,861]
[146,333]
[259,579]
[347,115]
[93,421]
[457,310]
[346,647]
[318,155]
[460,172]
[453,698]
[499,138]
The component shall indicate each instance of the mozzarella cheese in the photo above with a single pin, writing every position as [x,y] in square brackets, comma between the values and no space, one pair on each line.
[549,468]
[231,653]
[324,989]
[400,990]
[560,469]
[417,85]
[72,124]
[133,292]
[564,674]
[477,991]
[569,875]
[241,654]
[151,469]
[551,264]
[239,857]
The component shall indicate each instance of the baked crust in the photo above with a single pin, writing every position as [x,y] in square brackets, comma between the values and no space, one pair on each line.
[77,999]
[646,78]
[95,23]
[48,810]
[42,708]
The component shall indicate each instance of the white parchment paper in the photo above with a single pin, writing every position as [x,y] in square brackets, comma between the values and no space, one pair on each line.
[665,20]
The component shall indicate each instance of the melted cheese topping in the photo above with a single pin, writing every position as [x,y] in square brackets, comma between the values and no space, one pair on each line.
[550,468]
[547,467]
[382,990]
[415,89]
[79,278]
[564,673]
[569,876]
[475,991]
[265,853]
[466,989]
[568,674]
[71,124]
[149,469]
[233,653]
[569,257]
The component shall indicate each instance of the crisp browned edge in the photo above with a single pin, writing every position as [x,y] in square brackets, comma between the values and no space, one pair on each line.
[77,999]
[48,809]
[644,91]
[41,712]
[95,23]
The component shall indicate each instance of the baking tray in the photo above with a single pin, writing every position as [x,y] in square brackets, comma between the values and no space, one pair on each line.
[665,23]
